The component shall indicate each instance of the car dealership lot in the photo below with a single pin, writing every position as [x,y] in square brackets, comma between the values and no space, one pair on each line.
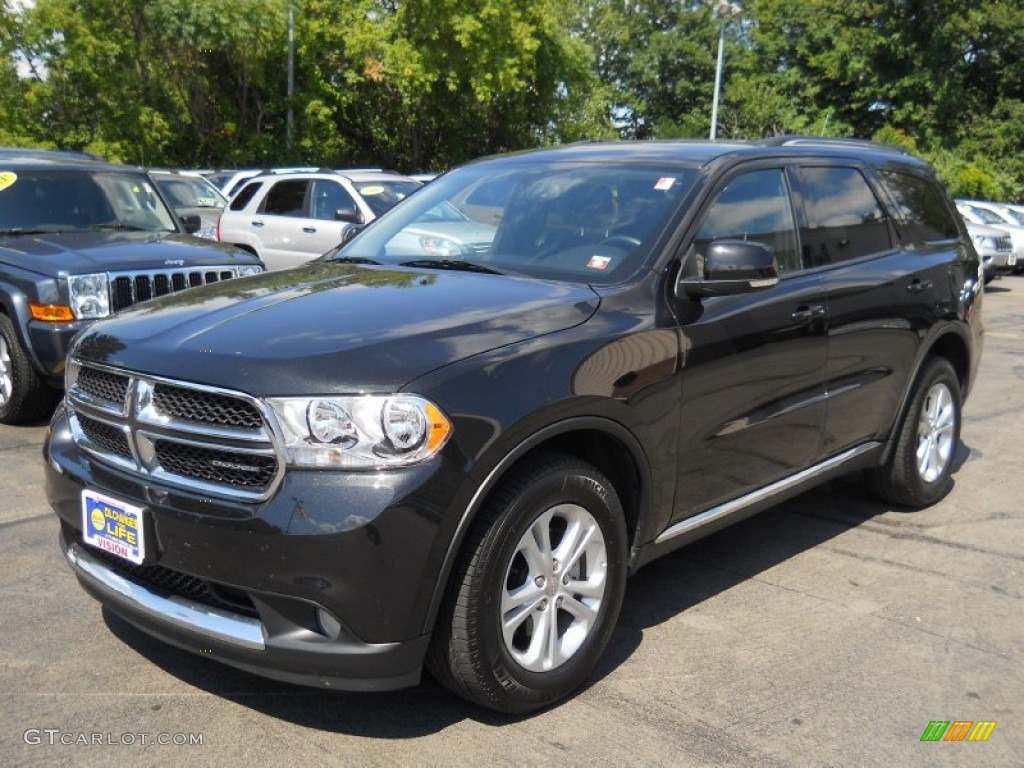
[828,631]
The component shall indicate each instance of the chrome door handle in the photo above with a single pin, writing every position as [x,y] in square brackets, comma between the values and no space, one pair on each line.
[917,286]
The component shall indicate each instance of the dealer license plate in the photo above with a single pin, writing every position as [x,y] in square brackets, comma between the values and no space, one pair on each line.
[113,526]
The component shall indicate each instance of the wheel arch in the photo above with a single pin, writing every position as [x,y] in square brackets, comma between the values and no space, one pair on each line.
[606,444]
[950,345]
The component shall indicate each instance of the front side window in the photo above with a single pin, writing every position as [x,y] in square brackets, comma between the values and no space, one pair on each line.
[921,207]
[69,201]
[753,206]
[844,218]
[328,198]
[286,198]
[583,221]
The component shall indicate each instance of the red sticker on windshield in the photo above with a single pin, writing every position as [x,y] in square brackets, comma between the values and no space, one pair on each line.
[599,262]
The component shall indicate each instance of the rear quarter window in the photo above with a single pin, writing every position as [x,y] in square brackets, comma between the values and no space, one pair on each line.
[921,207]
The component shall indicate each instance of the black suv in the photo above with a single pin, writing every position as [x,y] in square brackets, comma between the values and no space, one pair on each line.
[447,444]
[80,240]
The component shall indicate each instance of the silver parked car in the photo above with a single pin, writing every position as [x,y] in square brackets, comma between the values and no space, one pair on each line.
[980,214]
[995,248]
[192,195]
[288,219]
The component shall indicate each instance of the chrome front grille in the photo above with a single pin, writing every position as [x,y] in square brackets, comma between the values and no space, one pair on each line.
[1004,243]
[129,288]
[202,439]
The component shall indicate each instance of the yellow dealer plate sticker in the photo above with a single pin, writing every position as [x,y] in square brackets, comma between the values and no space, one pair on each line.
[374,190]
[7,179]
[113,526]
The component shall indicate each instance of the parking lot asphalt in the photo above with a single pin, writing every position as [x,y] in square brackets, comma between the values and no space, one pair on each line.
[828,631]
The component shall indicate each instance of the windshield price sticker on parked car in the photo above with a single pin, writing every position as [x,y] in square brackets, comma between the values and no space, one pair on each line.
[113,526]
[7,179]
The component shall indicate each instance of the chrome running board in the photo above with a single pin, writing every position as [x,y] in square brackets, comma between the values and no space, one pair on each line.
[763,494]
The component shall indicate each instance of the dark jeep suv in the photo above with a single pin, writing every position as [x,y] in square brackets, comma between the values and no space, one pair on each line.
[437,449]
[80,240]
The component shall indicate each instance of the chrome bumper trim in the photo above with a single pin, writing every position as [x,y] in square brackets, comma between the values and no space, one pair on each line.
[216,624]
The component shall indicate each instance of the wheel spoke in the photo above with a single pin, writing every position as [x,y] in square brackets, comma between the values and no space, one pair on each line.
[593,590]
[575,542]
[551,653]
[580,610]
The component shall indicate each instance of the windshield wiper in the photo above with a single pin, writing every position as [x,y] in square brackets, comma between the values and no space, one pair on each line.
[30,231]
[353,260]
[118,226]
[456,264]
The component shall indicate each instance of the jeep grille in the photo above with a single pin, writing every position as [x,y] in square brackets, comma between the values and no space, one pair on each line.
[202,439]
[128,288]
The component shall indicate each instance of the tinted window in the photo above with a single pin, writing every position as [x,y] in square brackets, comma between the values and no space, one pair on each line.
[329,197]
[844,218]
[286,198]
[754,206]
[242,199]
[921,207]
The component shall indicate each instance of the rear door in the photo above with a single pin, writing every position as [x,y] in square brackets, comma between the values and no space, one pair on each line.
[752,382]
[883,294]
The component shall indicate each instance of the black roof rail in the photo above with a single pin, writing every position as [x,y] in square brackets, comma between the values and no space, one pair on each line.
[800,140]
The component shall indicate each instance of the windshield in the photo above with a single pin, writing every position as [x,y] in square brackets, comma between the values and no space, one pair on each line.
[579,222]
[985,215]
[1015,217]
[190,192]
[81,200]
[382,196]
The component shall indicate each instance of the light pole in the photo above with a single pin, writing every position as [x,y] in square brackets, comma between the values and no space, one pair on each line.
[291,76]
[724,10]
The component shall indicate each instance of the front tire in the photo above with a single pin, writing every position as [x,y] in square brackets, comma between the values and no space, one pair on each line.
[24,397]
[535,596]
[919,471]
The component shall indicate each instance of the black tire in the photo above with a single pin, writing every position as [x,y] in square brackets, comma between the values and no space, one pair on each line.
[24,397]
[903,480]
[470,654]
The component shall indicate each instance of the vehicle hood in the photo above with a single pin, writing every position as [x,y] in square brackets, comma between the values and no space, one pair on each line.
[70,253]
[327,328]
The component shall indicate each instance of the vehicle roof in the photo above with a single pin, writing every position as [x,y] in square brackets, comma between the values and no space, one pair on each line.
[14,161]
[357,176]
[702,152]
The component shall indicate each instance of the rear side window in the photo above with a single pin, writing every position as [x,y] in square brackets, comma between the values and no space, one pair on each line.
[286,198]
[242,199]
[921,207]
[844,219]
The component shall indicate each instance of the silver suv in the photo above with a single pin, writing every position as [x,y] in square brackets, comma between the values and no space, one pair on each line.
[288,219]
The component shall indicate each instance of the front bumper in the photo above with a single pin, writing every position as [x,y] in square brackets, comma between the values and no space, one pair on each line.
[251,585]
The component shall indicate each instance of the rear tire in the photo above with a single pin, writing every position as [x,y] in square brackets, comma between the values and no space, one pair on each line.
[24,397]
[919,470]
[536,593]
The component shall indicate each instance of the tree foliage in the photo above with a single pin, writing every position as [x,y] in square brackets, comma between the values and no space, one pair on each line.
[425,84]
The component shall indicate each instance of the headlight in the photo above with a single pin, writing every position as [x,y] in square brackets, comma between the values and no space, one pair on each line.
[985,240]
[441,246]
[90,296]
[249,269]
[365,432]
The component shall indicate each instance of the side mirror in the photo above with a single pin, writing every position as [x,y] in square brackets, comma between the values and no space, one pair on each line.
[192,223]
[732,267]
[349,215]
[351,232]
